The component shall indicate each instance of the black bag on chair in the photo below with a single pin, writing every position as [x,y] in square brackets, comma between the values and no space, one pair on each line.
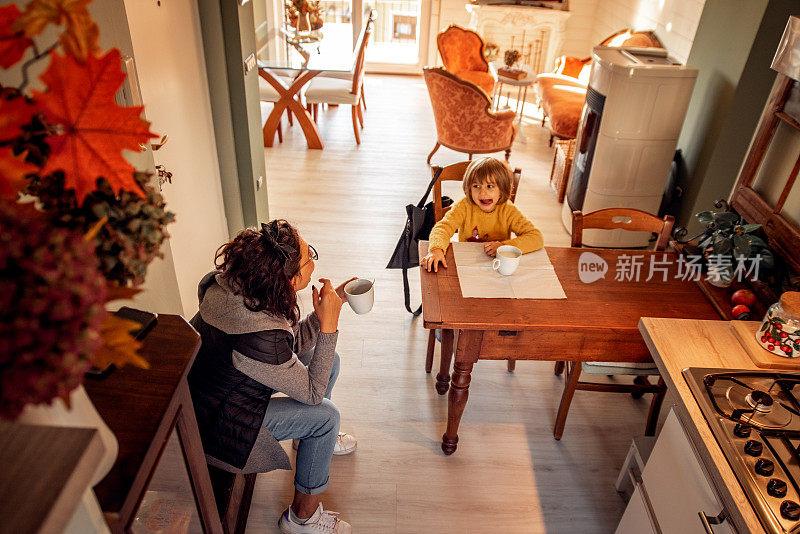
[418,228]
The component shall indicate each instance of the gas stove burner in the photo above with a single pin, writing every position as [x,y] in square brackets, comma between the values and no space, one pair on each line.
[755,418]
[759,401]
[755,407]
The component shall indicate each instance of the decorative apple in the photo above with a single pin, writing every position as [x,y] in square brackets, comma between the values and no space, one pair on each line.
[744,297]
[741,312]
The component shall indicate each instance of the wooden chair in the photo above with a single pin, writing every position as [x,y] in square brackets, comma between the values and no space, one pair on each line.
[612,219]
[233,493]
[342,91]
[373,15]
[455,173]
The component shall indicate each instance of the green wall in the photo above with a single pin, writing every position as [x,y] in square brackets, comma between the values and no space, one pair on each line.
[229,38]
[732,49]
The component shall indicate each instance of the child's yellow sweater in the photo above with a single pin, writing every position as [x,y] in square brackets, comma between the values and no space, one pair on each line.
[473,224]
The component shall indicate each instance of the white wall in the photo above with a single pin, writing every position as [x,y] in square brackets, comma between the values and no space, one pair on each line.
[579,41]
[168,48]
[591,21]
[674,21]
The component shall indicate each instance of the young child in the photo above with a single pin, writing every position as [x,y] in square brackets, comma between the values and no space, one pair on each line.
[484,215]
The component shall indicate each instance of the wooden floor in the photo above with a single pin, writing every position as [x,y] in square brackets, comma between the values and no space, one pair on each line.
[509,475]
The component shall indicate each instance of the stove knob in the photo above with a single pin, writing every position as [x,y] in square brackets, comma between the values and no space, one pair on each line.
[790,510]
[776,488]
[764,467]
[753,448]
[741,430]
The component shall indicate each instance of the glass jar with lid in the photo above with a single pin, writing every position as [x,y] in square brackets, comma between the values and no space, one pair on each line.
[780,329]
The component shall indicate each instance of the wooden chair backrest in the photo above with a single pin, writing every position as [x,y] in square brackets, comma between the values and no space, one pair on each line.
[624,218]
[455,172]
[363,39]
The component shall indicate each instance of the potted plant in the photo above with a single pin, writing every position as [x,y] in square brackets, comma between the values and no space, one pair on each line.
[728,243]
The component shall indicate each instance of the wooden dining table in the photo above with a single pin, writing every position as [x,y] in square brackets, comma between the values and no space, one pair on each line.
[598,321]
[303,58]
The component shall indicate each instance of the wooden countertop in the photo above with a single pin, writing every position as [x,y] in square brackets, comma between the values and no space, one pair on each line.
[680,343]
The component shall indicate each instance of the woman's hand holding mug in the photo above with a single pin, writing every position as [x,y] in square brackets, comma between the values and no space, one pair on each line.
[327,304]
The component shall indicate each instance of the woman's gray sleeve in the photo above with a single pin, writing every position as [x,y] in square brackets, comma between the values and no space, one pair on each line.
[306,334]
[304,384]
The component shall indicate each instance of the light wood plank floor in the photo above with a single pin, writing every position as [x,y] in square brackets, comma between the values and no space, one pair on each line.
[509,475]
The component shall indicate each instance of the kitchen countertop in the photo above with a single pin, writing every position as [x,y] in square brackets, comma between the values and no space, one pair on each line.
[680,343]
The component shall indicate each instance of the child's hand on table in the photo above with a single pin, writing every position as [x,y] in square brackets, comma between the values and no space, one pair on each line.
[491,247]
[433,259]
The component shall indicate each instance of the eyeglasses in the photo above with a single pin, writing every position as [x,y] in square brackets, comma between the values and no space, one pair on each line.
[312,255]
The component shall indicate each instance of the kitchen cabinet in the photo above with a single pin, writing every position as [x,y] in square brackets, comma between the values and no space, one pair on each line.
[674,490]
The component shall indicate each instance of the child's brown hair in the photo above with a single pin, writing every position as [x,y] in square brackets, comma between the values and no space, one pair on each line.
[483,170]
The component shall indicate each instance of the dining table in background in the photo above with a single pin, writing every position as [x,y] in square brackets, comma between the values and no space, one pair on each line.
[598,321]
[306,56]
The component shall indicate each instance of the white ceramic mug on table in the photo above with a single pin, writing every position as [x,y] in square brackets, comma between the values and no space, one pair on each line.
[507,259]
[360,294]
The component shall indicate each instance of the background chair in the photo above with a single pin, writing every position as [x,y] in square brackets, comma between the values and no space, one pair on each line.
[373,14]
[455,173]
[462,54]
[464,119]
[343,91]
[612,219]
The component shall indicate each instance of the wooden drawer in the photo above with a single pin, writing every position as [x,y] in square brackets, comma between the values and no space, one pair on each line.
[563,345]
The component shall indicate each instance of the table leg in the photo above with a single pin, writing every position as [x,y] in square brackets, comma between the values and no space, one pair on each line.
[459,393]
[469,346]
[288,100]
[443,378]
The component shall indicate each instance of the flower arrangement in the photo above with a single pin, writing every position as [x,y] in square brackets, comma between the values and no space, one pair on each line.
[296,9]
[78,224]
[510,57]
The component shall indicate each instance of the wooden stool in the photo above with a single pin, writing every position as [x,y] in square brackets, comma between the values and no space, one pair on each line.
[233,493]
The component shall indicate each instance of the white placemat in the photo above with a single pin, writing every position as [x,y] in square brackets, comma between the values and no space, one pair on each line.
[535,277]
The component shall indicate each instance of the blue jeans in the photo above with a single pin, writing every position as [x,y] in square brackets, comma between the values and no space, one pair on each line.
[317,428]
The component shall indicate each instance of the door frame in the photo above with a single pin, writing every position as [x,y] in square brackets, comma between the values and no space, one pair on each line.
[423,55]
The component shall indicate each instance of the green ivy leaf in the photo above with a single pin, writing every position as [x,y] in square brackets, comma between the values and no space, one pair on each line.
[705,217]
[725,219]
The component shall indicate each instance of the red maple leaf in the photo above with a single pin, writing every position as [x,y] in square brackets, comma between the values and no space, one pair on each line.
[13,44]
[14,113]
[94,130]
[13,171]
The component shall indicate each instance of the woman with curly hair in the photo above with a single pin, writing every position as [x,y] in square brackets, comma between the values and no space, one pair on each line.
[253,345]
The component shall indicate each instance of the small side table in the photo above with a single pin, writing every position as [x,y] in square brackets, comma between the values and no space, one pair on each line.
[522,93]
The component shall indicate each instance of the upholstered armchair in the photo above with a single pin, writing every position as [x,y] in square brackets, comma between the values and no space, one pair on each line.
[462,54]
[464,120]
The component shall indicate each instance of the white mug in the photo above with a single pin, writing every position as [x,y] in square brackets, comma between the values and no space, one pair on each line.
[507,259]
[360,294]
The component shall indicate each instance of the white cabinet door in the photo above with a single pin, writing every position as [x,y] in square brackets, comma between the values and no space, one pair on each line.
[677,485]
[636,519]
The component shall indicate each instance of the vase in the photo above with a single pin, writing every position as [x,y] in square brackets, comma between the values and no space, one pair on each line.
[303,23]
[88,517]
[80,413]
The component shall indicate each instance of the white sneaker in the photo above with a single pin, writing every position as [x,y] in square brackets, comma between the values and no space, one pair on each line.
[327,523]
[345,444]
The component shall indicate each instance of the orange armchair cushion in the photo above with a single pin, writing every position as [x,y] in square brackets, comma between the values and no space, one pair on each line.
[484,80]
[462,54]
[462,114]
